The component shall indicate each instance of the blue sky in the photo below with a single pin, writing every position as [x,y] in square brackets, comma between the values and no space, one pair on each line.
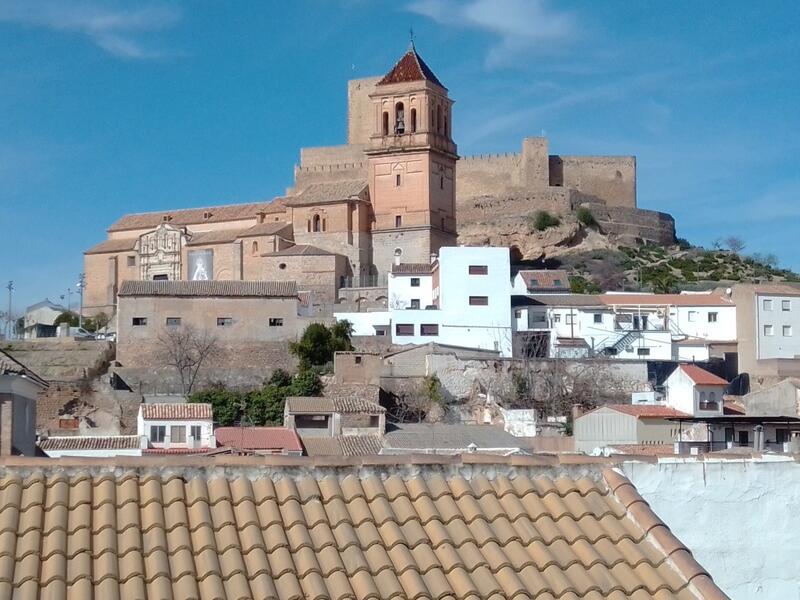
[110,107]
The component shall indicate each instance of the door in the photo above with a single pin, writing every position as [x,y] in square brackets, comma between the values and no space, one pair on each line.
[744,438]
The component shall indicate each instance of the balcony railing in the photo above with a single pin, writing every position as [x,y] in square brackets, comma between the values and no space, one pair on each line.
[365,281]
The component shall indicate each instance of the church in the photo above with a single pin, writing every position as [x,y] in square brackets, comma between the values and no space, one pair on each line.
[386,197]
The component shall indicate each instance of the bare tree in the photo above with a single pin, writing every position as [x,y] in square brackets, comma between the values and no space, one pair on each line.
[186,350]
[418,401]
[734,243]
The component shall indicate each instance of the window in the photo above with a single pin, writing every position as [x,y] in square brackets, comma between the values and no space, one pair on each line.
[712,317]
[598,318]
[397,180]
[556,282]
[398,220]
[692,316]
[275,322]
[443,223]
[139,321]
[439,119]
[643,351]
[162,277]
[479,300]
[224,321]
[195,431]
[374,421]
[399,118]
[282,266]
[316,223]
[702,397]
[429,329]
[441,182]
[768,330]
[781,436]
[132,261]
[254,249]
[158,433]
[415,303]
[518,314]
[308,226]
[415,282]
[177,434]
[478,270]
[358,360]
[413,122]
[570,319]
[385,127]
[404,329]
[787,331]
[767,304]
[786,305]
[556,318]
[173,321]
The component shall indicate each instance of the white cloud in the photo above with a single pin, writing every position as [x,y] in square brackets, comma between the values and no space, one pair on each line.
[519,25]
[117,28]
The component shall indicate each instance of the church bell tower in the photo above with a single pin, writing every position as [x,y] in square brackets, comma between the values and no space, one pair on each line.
[412,164]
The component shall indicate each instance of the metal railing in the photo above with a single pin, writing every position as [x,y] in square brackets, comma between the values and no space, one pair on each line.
[359,281]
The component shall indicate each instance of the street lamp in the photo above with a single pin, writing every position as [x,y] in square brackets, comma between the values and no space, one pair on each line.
[10,288]
[81,284]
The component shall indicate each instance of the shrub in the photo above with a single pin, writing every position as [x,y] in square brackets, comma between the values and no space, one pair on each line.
[544,220]
[585,217]
[580,285]
[319,342]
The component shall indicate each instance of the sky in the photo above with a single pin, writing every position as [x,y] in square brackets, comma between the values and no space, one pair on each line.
[110,107]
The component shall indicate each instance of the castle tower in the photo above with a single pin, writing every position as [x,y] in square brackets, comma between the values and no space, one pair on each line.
[412,162]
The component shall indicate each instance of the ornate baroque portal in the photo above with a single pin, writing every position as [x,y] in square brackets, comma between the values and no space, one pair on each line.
[160,253]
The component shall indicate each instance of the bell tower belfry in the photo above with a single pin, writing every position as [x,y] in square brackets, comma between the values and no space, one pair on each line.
[412,162]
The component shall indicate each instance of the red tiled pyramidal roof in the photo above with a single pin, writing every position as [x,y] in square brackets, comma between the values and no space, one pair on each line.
[701,376]
[410,67]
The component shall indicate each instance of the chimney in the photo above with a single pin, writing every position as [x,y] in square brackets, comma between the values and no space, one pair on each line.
[433,257]
[758,438]
[577,411]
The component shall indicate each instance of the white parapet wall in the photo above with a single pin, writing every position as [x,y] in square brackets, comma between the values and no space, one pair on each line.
[739,517]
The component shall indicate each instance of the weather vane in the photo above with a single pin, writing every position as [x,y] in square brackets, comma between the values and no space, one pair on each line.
[411,36]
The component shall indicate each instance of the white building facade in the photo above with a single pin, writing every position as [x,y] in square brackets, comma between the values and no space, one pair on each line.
[777,326]
[176,425]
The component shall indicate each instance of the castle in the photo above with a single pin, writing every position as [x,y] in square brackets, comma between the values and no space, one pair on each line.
[392,194]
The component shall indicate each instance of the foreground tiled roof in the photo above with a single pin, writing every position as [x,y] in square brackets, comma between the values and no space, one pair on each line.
[259,438]
[235,528]
[193,216]
[90,442]
[208,289]
[334,191]
[176,411]
[645,411]
[410,67]
[701,376]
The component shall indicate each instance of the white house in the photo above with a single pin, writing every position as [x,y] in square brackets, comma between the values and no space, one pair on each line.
[176,426]
[39,319]
[616,425]
[462,299]
[777,326]
[541,281]
[695,391]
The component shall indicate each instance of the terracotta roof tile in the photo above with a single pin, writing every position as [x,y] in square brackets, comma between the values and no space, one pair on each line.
[108,246]
[259,438]
[300,250]
[194,216]
[646,411]
[201,531]
[412,269]
[343,445]
[543,280]
[410,67]
[210,289]
[339,403]
[335,191]
[90,442]
[176,411]
[701,376]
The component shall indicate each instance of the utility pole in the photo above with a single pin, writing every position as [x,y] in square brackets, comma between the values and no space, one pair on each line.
[10,288]
[81,285]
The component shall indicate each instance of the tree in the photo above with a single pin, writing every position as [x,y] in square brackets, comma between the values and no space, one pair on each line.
[319,342]
[734,243]
[186,350]
[225,404]
[67,317]
[663,283]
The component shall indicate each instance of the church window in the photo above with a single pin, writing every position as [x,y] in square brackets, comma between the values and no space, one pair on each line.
[385,123]
[399,118]
[315,224]
[445,126]
[308,225]
[443,223]
[324,224]
[441,182]
[413,123]
[132,261]
[439,119]
[398,221]
[255,248]
[397,180]
[282,266]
